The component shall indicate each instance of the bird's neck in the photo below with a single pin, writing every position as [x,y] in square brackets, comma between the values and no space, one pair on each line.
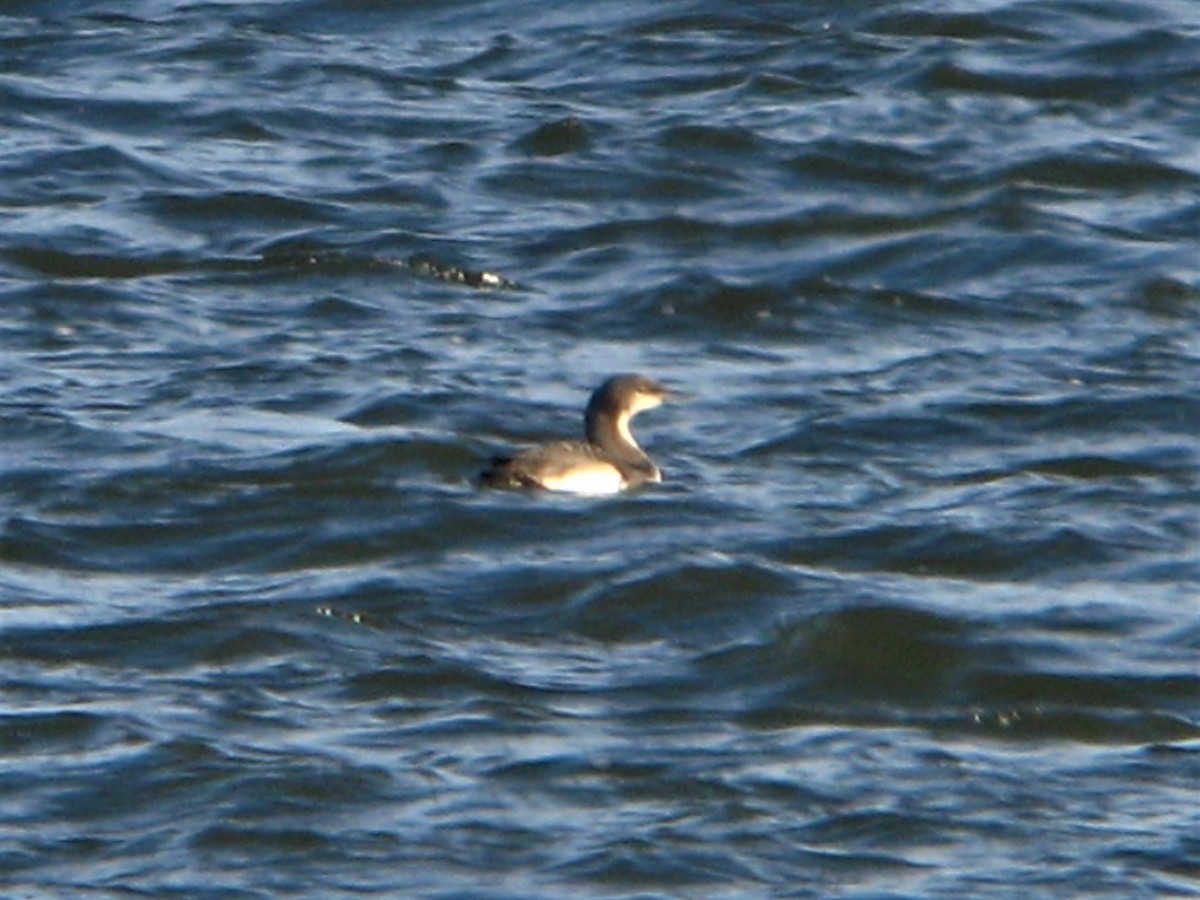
[611,434]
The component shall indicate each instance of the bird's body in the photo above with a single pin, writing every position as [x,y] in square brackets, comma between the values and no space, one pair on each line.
[608,461]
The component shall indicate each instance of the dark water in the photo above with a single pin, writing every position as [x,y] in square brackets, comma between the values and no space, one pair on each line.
[916,612]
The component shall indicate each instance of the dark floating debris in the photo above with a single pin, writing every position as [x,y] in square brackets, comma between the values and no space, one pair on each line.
[60,264]
[333,262]
[353,617]
[337,261]
[567,135]
[476,278]
[1167,295]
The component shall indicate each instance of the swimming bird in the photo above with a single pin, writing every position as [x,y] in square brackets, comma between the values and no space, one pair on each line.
[608,461]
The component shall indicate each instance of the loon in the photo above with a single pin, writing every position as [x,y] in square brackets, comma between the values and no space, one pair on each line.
[609,461]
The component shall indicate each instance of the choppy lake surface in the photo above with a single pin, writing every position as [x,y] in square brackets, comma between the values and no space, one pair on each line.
[916,612]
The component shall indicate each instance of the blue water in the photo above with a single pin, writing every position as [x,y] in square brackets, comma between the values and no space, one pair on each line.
[916,609]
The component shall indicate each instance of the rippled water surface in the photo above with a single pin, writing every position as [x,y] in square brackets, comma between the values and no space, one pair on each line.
[916,611]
